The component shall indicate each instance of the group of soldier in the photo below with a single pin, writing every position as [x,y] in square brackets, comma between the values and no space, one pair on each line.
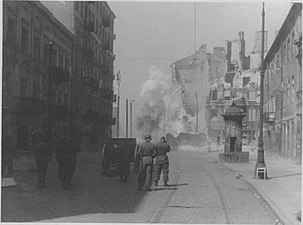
[66,149]
[145,154]
[66,154]
[149,162]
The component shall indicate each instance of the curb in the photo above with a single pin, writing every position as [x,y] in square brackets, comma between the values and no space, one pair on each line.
[282,218]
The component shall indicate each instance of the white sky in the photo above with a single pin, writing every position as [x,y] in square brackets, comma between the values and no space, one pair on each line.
[159,33]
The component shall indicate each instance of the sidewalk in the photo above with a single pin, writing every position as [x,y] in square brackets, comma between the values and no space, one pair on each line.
[282,189]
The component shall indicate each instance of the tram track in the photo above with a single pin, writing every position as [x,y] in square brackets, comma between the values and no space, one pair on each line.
[165,203]
[228,216]
[157,215]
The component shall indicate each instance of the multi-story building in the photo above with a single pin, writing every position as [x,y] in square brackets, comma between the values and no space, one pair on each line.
[239,83]
[283,88]
[37,49]
[79,36]
[194,73]
[92,23]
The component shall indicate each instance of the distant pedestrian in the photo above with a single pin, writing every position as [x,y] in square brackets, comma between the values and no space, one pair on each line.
[162,162]
[136,161]
[8,152]
[145,156]
[106,157]
[42,151]
[66,155]
[123,162]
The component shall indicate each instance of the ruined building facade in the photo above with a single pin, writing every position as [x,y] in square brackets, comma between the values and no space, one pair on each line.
[283,88]
[240,81]
[194,73]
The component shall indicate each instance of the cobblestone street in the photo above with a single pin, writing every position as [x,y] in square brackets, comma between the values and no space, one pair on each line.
[95,198]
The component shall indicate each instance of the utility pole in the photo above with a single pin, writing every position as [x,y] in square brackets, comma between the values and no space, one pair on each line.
[131,119]
[118,103]
[50,97]
[261,161]
[164,119]
[126,127]
[197,116]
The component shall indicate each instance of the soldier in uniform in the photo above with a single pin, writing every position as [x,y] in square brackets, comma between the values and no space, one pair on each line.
[66,155]
[8,153]
[162,162]
[42,152]
[145,156]
[123,162]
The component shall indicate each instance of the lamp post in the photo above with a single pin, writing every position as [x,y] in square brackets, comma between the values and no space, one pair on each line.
[118,102]
[260,160]
[197,117]
[131,118]
[49,97]
[126,119]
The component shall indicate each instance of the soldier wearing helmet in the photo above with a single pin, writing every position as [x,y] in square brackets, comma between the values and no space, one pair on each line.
[42,151]
[162,163]
[145,156]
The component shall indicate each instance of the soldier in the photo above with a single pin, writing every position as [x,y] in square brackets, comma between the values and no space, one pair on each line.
[42,152]
[123,162]
[8,153]
[162,162]
[66,155]
[145,156]
[136,161]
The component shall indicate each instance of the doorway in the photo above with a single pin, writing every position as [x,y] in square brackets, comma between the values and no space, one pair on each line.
[233,144]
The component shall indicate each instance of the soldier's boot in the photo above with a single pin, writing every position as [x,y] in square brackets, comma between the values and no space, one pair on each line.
[166,184]
[156,183]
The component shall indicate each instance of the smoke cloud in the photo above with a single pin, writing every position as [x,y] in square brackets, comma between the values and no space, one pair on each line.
[162,110]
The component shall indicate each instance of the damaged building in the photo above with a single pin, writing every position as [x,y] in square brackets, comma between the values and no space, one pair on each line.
[283,89]
[240,83]
[194,73]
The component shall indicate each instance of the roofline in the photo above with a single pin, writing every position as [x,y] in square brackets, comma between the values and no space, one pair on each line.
[51,17]
[110,10]
[294,12]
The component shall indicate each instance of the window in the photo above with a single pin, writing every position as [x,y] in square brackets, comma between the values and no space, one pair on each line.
[77,6]
[293,43]
[288,49]
[252,115]
[36,83]
[60,59]
[284,54]
[252,95]
[67,61]
[22,87]
[272,70]
[278,60]
[37,41]
[24,39]
[11,32]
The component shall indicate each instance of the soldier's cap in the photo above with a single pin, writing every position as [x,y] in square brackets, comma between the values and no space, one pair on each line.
[148,137]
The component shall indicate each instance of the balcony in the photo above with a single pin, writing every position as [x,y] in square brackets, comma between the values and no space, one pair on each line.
[269,117]
[107,94]
[105,68]
[91,83]
[89,26]
[60,112]
[106,46]
[60,75]
[106,22]
[88,53]
[28,105]
[106,120]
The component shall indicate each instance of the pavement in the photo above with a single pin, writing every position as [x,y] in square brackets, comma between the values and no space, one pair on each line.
[282,190]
